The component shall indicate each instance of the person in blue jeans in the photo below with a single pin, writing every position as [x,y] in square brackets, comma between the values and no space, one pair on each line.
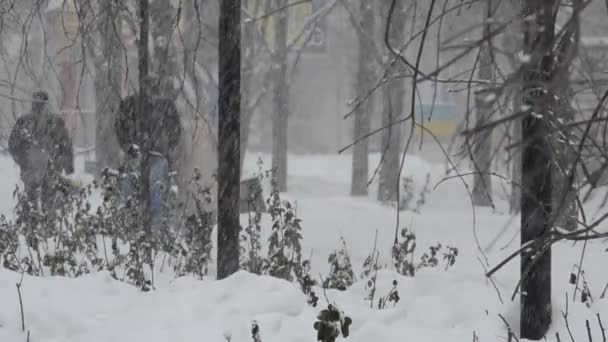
[164,129]
[160,181]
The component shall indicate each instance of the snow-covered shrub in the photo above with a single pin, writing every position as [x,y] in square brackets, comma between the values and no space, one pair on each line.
[194,237]
[430,258]
[424,193]
[306,284]
[285,247]
[9,244]
[251,239]
[407,194]
[369,266]
[331,323]
[284,258]
[370,272]
[341,275]
[409,191]
[403,253]
[578,279]
[255,332]
[74,238]
[391,297]
[60,242]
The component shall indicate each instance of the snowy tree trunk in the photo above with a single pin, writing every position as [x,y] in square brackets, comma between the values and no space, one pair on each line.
[108,79]
[393,93]
[538,73]
[36,46]
[515,196]
[482,158]
[248,72]
[365,74]
[229,138]
[482,153]
[280,99]
[144,128]
[564,196]
[512,45]
[164,20]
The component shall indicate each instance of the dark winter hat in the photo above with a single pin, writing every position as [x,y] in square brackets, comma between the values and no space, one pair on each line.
[40,96]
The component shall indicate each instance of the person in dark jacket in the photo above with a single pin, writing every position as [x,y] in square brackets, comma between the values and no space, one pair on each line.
[163,124]
[40,144]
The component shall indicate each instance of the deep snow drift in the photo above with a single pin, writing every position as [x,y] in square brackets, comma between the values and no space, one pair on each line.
[435,305]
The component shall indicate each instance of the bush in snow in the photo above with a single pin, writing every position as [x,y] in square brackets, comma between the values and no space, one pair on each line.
[403,253]
[251,240]
[76,239]
[306,284]
[408,193]
[370,271]
[424,193]
[9,244]
[194,238]
[284,259]
[577,278]
[331,323]
[430,258]
[57,243]
[341,275]
[255,332]
[285,248]
[391,297]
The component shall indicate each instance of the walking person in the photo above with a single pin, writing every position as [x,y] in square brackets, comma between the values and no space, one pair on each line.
[40,144]
[164,125]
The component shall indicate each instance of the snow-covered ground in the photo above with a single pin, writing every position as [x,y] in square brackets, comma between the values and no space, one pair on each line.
[436,305]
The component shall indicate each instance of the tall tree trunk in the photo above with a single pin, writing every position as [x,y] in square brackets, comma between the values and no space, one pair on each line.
[144,129]
[363,113]
[36,46]
[108,82]
[229,138]
[248,72]
[515,195]
[482,152]
[163,17]
[482,158]
[394,94]
[512,45]
[564,195]
[280,98]
[536,205]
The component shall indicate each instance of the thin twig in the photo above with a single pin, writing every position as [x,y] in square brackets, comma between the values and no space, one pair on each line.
[599,321]
[580,268]
[588,330]
[324,289]
[491,280]
[565,315]
[18,285]
[511,335]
